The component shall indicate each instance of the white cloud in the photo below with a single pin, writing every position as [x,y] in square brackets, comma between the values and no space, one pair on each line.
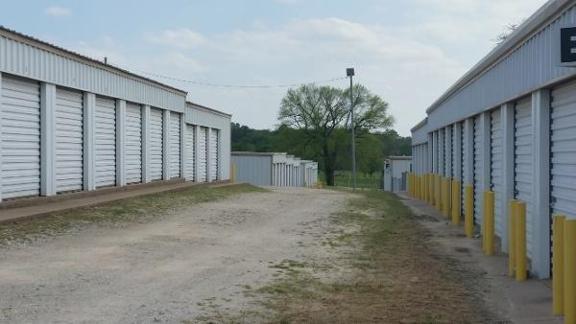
[56,11]
[180,38]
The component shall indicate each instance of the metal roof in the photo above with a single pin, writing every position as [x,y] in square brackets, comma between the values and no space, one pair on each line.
[195,105]
[6,32]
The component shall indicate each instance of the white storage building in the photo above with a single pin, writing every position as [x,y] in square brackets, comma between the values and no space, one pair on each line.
[274,169]
[69,123]
[509,126]
[396,170]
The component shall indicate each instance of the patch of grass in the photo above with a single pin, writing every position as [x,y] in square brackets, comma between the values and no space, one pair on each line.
[138,209]
[383,271]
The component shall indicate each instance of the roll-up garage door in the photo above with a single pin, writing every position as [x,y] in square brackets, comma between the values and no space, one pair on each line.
[202,157]
[156,143]
[478,172]
[441,146]
[190,155]
[523,171]
[214,147]
[465,150]
[448,152]
[175,154]
[20,145]
[105,142]
[69,140]
[133,147]
[496,160]
[563,149]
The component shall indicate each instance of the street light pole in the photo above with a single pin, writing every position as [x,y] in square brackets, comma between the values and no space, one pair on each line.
[350,73]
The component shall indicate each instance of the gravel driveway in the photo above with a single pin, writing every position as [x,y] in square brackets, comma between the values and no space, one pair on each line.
[168,270]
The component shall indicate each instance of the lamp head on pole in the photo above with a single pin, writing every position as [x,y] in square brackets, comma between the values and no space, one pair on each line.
[350,72]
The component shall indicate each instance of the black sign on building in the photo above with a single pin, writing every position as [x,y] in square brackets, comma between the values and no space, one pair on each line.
[568,45]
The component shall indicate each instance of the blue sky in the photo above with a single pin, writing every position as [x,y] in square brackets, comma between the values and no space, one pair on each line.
[407,51]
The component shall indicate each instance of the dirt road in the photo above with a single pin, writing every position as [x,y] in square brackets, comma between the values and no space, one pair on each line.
[171,269]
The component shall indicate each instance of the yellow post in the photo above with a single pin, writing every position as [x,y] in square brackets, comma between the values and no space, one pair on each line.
[570,271]
[437,188]
[447,195]
[512,237]
[489,223]
[558,265]
[521,241]
[469,211]
[431,189]
[456,204]
[233,173]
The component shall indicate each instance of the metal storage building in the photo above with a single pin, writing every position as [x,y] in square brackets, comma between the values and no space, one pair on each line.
[274,169]
[396,170]
[69,123]
[508,126]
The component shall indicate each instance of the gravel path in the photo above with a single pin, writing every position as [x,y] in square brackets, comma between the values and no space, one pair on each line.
[169,270]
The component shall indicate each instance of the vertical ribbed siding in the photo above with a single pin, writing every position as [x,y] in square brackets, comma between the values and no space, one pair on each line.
[190,155]
[20,138]
[175,153]
[478,171]
[156,143]
[448,152]
[563,149]
[463,169]
[523,166]
[496,168]
[37,63]
[441,157]
[69,140]
[105,142]
[202,154]
[133,143]
[214,147]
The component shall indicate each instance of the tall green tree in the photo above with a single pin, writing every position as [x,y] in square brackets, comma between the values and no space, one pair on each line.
[320,111]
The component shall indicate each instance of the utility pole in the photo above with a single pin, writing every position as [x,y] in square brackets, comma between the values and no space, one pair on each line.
[350,73]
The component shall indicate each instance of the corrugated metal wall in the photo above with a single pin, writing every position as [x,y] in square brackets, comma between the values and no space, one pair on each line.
[175,144]
[478,171]
[156,144]
[190,156]
[203,155]
[214,153]
[496,174]
[253,169]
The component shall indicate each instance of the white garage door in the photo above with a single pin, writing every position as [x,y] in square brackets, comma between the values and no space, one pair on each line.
[496,158]
[156,143]
[105,142]
[523,171]
[214,147]
[175,154]
[563,149]
[69,140]
[464,169]
[447,152]
[441,149]
[202,154]
[20,145]
[133,147]
[190,155]
[478,172]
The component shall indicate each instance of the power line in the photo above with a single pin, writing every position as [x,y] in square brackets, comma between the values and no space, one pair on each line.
[238,86]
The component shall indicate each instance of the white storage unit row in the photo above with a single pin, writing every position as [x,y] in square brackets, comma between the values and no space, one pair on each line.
[20,138]
[203,154]
[496,174]
[214,153]
[105,142]
[156,147]
[175,144]
[563,151]
[190,152]
[523,166]
[133,148]
[69,140]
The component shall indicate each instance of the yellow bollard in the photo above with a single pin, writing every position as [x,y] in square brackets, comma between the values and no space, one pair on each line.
[431,189]
[437,192]
[512,237]
[469,211]
[570,271]
[456,202]
[521,241]
[447,195]
[558,265]
[489,223]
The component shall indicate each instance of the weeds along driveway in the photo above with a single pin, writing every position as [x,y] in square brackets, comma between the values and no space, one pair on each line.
[164,258]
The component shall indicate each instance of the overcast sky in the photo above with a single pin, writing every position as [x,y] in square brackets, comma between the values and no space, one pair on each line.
[407,51]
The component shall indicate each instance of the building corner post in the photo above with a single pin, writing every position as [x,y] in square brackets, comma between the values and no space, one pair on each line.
[120,143]
[89,141]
